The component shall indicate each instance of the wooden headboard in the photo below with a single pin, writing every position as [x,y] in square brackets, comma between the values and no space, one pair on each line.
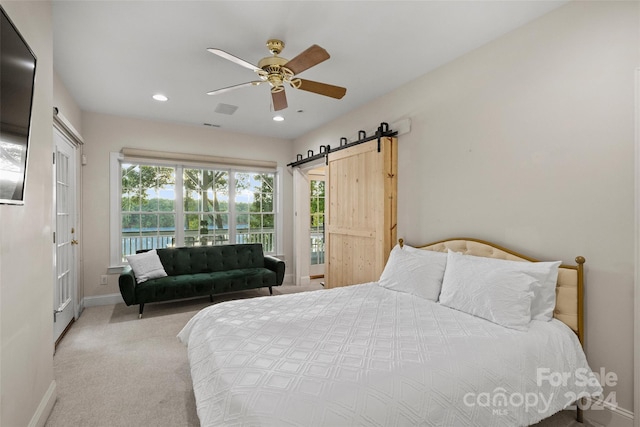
[569,289]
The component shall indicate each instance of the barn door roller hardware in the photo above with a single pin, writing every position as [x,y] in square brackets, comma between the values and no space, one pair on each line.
[382,131]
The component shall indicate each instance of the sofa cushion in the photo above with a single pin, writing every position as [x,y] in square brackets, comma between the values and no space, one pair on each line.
[175,287]
[191,285]
[246,278]
[206,259]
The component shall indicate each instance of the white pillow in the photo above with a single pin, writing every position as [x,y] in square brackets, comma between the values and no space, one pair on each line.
[498,290]
[544,293]
[146,265]
[414,271]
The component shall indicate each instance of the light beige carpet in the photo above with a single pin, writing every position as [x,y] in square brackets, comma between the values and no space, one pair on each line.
[113,369]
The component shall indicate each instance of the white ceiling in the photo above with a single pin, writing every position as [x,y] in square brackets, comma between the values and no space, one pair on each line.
[114,55]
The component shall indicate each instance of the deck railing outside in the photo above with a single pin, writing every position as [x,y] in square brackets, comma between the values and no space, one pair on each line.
[317,247]
[136,241]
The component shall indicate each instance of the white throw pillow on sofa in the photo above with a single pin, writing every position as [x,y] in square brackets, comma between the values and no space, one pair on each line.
[414,271]
[146,265]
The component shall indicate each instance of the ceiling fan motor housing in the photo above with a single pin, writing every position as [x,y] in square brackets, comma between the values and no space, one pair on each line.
[277,74]
[272,64]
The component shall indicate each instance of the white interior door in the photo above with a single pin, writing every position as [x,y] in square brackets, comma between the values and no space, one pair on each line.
[66,242]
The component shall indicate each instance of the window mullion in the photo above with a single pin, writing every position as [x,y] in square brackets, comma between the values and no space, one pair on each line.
[179,206]
[276,211]
[232,206]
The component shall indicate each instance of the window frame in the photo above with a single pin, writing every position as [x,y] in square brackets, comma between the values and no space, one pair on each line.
[115,191]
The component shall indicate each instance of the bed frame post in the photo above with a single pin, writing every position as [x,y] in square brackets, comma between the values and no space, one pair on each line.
[580,261]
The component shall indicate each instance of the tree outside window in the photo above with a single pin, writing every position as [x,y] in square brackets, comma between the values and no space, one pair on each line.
[150,209]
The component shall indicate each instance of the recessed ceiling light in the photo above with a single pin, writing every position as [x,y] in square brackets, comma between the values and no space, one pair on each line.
[278,118]
[160,97]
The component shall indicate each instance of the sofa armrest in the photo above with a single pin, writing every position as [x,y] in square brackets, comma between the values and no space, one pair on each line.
[277,265]
[127,282]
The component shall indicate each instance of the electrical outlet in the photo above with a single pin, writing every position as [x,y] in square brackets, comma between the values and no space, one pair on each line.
[104,279]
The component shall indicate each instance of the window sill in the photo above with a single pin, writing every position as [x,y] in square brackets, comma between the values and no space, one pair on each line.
[116,269]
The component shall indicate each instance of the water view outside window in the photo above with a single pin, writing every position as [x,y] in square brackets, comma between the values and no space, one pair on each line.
[255,215]
[155,215]
[148,215]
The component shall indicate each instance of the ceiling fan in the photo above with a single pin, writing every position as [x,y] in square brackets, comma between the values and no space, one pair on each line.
[277,71]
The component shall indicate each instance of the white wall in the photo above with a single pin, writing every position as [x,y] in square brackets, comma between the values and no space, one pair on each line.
[105,133]
[529,142]
[65,103]
[27,386]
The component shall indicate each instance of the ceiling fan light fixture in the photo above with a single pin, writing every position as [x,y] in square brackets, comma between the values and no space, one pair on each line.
[278,118]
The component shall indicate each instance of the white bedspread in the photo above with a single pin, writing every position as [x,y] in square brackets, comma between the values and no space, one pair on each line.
[365,355]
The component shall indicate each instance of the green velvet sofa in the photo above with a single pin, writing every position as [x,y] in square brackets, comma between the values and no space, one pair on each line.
[204,270]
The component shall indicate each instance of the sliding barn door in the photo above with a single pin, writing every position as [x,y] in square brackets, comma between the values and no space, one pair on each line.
[361,211]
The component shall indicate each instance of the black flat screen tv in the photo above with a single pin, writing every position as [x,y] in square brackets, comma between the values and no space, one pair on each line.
[17,79]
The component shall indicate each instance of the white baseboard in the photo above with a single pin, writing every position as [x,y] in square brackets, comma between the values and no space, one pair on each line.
[604,414]
[79,309]
[97,300]
[44,408]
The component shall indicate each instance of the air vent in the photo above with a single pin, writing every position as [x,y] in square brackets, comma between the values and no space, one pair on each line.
[226,109]
[211,125]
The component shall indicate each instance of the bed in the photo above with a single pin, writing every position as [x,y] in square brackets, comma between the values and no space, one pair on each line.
[387,354]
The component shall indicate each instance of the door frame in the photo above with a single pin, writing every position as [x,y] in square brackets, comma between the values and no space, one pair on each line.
[62,144]
[316,269]
[636,311]
[301,229]
[63,127]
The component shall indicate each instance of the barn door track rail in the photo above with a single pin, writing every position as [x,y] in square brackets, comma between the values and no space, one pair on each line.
[382,131]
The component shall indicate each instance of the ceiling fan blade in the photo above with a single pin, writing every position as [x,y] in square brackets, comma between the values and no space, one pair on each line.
[229,88]
[279,100]
[232,58]
[332,91]
[307,59]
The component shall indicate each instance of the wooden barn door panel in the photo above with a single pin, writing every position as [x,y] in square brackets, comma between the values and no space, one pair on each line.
[361,212]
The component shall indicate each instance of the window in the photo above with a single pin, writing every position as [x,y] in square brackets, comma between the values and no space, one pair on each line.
[254,208]
[206,207]
[317,221]
[148,214]
[160,205]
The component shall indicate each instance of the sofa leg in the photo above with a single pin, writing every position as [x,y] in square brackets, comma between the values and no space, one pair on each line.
[211,297]
[141,308]
[270,291]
